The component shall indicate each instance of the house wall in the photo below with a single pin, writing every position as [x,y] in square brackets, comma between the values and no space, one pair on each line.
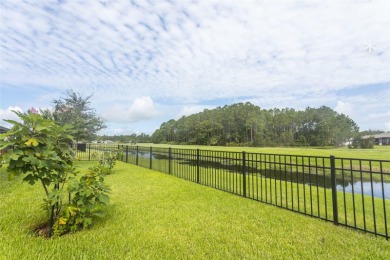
[382,141]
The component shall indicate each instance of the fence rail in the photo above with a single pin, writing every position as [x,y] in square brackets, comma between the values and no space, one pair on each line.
[346,191]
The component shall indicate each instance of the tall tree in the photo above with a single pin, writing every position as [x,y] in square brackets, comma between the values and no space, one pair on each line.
[75,110]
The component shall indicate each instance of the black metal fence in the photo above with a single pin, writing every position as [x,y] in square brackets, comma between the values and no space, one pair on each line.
[346,191]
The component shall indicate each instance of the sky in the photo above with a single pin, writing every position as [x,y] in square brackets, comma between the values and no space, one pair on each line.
[145,62]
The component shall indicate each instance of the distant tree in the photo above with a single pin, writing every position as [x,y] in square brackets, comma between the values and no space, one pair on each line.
[133,138]
[371,132]
[75,110]
[342,129]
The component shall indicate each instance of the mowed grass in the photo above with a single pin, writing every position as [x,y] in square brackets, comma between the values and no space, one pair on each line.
[366,213]
[157,216]
[379,152]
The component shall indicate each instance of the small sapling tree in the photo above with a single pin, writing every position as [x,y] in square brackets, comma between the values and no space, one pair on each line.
[42,151]
[108,161]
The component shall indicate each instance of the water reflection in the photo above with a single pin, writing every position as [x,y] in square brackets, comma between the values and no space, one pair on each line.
[376,190]
[146,155]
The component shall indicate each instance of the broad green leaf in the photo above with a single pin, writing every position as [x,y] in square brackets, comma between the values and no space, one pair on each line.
[30,178]
[19,163]
[4,145]
[103,198]
[27,159]
[40,128]
[72,210]
[34,161]
[14,157]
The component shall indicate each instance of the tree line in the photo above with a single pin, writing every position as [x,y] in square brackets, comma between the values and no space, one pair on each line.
[133,138]
[248,125]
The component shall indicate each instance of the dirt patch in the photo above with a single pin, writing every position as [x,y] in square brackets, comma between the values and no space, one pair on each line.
[42,230]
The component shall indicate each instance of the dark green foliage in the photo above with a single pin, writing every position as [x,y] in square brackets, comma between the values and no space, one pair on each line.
[249,125]
[360,143]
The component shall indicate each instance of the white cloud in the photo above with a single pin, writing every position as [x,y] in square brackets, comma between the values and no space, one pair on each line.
[9,115]
[281,54]
[192,109]
[344,108]
[379,116]
[195,51]
[118,131]
[387,126]
[142,108]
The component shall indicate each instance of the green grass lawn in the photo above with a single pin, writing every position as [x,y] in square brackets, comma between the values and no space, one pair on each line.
[284,190]
[154,215]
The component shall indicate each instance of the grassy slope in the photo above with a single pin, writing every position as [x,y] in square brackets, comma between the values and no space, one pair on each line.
[379,152]
[159,216]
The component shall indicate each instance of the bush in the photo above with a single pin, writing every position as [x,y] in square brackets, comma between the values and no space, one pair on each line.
[87,194]
[109,160]
[359,143]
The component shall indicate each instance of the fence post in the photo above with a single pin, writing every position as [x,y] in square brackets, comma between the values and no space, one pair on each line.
[334,191]
[197,166]
[243,175]
[127,153]
[169,161]
[89,152]
[150,157]
[136,158]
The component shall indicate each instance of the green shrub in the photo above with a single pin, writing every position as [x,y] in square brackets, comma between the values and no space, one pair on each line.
[88,193]
[360,143]
[109,159]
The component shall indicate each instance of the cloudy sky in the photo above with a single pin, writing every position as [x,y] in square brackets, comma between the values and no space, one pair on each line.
[146,62]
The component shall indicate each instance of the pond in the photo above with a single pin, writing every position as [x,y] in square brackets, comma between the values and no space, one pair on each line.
[324,181]
[375,190]
[155,156]
[296,177]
